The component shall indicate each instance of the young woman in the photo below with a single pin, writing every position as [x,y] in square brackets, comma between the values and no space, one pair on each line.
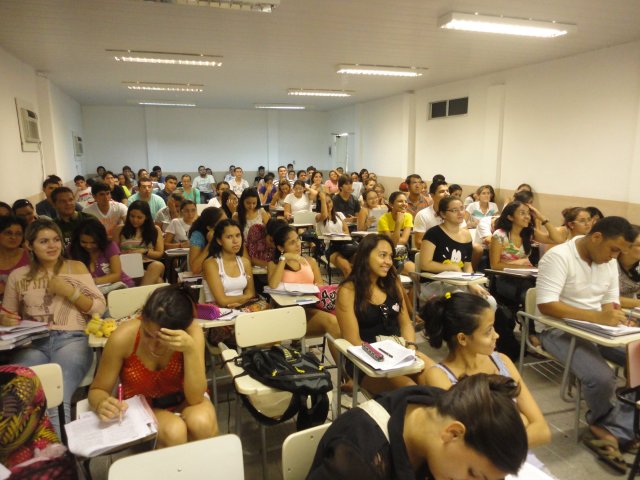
[140,235]
[455,190]
[355,177]
[249,212]
[397,225]
[465,324]
[12,254]
[331,185]
[382,198]
[448,247]
[596,214]
[367,221]
[171,212]
[5,209]
[188,192]
[431,434]
[364,175]
[260,244]
[91,246]
[290,266]
[229,202]
[125,183]
[328,221]
[60,293]
[317,182]
[161,356]
[371,303]
[629,273]
[577,221]
[227,274]
[277,201]
[177,233]
[297,201]
[484,207]
[201,236]
[268,190]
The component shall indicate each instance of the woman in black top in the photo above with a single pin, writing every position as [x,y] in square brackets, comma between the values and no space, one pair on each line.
[430,434]
[370,303]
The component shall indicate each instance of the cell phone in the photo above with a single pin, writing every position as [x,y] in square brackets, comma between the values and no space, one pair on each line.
[372,352]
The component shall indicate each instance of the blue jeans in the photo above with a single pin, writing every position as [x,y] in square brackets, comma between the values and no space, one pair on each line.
[205,197]
[70,350]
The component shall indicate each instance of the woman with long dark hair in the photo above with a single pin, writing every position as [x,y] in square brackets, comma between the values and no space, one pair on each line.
[229,203]
[201,235]
[12,252]
[249,212]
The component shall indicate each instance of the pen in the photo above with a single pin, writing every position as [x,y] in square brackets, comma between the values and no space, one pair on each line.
[120,399]
[385,352]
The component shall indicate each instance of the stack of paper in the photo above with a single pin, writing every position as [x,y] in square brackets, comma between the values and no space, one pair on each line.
[21,334]
[522,271]
[458,276]
[89,436]
[395,355]
[603,330]
[293,289]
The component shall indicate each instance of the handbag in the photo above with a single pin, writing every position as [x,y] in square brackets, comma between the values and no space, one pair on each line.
[207,311]
[327,297]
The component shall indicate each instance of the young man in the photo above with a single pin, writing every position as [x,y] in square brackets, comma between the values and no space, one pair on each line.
[158,170]
[170,184]
[145,194]
[302,175]
[205,183]
[282,175]
[415,200]
[579,279]
[310,171]
[110,213]
[231,174]
[83,192]
[260,178]
[171,211]
[427,217]
[238,184]
[67,217]
[344,202]
[117,192]
[45,207]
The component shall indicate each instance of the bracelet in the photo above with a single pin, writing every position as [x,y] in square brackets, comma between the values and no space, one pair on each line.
[410,344]
[74,296]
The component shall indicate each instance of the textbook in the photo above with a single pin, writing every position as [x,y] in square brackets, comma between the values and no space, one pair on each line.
[88,436]
[293,289]
[394,355]
[22,334]
[603,330]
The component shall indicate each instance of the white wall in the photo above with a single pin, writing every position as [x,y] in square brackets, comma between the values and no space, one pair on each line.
[180,139]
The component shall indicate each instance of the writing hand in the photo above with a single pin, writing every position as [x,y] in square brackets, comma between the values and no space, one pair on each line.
[611,317]
[109,409]
[9,319]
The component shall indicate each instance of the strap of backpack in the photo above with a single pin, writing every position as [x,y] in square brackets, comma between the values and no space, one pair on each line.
[379,414]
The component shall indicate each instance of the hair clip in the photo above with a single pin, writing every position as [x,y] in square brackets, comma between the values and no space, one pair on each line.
[447,295]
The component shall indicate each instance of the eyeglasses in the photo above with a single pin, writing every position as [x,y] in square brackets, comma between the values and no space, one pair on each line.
[583,221]
[455,210]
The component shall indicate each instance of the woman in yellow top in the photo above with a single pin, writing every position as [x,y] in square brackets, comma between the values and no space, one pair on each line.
[397,225]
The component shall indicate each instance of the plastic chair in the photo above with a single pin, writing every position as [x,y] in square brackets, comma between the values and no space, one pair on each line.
[200,208]
[633,388]
[298,451]
[304,217]
[50,375]
[132,264]
[124,302]
[218,457]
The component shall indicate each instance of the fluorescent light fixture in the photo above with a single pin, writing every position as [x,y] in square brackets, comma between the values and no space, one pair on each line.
[165,87]
[504,25]
[166,58]
[264,6]
[319,92]
[279,106]
[166,104]
[383,70]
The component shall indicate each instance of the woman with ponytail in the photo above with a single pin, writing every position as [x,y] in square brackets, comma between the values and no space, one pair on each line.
[465,323]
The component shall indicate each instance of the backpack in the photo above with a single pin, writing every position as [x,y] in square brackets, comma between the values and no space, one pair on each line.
[291,371]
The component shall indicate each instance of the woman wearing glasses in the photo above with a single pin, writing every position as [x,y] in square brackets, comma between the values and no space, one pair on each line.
[12,253]
[577,221]
[370,304]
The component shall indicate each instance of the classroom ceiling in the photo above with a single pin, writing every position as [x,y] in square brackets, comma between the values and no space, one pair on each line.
[299,45]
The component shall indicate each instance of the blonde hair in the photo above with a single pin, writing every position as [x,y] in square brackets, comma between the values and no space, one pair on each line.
[30,236]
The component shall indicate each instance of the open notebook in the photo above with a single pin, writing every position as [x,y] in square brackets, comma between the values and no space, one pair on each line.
[89,436]
[603,330]
[394,355]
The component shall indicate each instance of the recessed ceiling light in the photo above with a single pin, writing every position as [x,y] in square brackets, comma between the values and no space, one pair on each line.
[319,92]
[264,6]
[166,104]
[504,25]
[384,70]
[165,87]
[166,58]
[279,106]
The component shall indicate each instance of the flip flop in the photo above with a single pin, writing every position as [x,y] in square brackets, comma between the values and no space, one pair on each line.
[608,452]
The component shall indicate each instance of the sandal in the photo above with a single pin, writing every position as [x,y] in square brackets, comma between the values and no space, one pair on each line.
[608,452]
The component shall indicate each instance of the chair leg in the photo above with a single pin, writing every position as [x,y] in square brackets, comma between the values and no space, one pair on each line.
[634,467]
[214,384]
[578,396]
[263,446]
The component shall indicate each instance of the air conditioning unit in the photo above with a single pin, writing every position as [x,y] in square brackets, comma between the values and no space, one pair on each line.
[28,125]
[78,150]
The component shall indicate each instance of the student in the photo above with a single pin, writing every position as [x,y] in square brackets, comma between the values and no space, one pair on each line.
[579,279]
[140,235]
[230,174]
[367,221]
[260,246]
[282,176]
[428,217]
[267,190]
[201,235]
[125,183]
[117,192]
[169,213]
[45,207]
[629,273]
[317,182]
[68,218]
[328,221]
[331,185]
[577,221]
[297,201]
[83,194]
[249,212]
[5,209]
[596,214]
[415,200]
[229,202]
[188,191]
[237,183]
[355,177]
[291,176]
[455,190]
[205,184]
[177,233]
[344,202]
[100,171]
[371,303]
[260,177]
[221,187]
[466,324]
[290,266]
[170,185]
[110,213]
[397,225]
[91,246]
[484,207]
[144,194]
[24,209]
[12,253]
[364,175]
[382,199]
[228,281]
[161,356]
[302,175]
[60,293]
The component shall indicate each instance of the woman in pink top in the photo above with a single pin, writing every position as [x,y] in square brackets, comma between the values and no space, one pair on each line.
[60,293]
[289,266]
[331,185]
[12,254]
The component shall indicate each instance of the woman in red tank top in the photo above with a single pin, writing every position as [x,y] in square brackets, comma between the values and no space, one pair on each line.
[160,356]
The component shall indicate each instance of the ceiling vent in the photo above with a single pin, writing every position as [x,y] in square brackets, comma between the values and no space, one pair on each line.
[264,6]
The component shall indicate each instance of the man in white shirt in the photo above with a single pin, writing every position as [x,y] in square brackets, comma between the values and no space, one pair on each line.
[579,280]
[231,175]
[427,217]
[205,184]
[110,213]
[83,192]
[238,184]
[282,176]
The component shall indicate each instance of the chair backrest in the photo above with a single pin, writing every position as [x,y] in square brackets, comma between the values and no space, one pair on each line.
[127,300]
[530,301]
[305,217]
[200,207]
[50,375]
[270,326]
[417,262]
[633,364]
[298,451]
[184,462]
[82,407]
[132,264]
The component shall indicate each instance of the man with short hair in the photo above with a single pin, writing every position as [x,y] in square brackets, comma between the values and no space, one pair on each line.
[145,194]
[83,192]
[45,207]
[428,217]
[579,279]
[68,218]
[344,202]
[170,184]
[238,184]
[340,170]
[117,192]
[231,175]
[259,180]
[158,171]
[110,213]
[415,200]
[310,171]
[205,184]
[302,175]
[282,175]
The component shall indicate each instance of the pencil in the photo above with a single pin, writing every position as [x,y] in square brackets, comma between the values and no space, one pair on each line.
[120,400]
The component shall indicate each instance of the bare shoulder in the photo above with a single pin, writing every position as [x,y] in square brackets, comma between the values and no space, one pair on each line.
[76,267]
[123,338]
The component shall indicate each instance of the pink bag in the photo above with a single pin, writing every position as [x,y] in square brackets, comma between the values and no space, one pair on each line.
[327,296]
[207,311]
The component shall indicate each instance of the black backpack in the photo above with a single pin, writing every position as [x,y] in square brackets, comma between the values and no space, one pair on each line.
[289,370]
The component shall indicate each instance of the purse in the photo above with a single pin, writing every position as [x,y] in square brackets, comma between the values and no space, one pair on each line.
[207,311]
[327,297]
